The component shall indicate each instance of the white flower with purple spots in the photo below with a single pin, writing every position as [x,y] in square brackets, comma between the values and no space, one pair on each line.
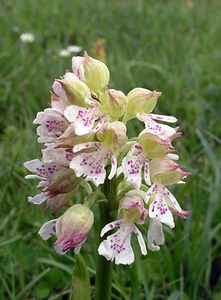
[84,120]
[163,205]
[52,125]
[117,246]
[163,131]
[133,164]
[92,165]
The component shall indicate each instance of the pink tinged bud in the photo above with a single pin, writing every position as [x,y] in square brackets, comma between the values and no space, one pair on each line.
[117,246]
[131,209]
[71,229]
[68,90]
[92,71]
[155,236]
[153,146]
[140,101]
[166,172]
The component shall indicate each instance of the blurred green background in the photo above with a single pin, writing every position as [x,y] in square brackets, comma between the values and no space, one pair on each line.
[172,46]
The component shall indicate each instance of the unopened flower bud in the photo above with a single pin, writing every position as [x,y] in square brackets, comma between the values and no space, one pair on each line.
[73,226]
[165,171]
[113,103]
[92,71]
[140,101]
[132,209]
[113,135]
[76,91]
[154,146]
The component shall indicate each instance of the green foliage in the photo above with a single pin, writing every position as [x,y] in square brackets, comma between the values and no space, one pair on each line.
[171,46]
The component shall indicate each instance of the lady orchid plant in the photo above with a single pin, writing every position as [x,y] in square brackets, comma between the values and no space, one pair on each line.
[84,134]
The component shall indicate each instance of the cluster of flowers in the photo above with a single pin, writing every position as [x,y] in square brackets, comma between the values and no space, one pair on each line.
[86,145]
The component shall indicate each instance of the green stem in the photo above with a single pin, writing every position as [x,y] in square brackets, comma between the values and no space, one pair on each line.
[104,267]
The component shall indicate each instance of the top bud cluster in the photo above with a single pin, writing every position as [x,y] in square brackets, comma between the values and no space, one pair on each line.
[86,145]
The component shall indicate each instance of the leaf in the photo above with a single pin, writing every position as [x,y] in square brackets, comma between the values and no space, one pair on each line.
[80,280]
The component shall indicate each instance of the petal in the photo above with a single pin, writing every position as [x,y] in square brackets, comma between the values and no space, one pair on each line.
[38,199]
[164,131]
[113,167]
[155,235]
[59,249]
[164,118]
[171,201]
[132,166]
[158,209]
[91,166]
[88,145]
[110,226]
[173,156]
[45,170]
[48,229]
[152,126]
[140,238]
[147,172]
[83,119]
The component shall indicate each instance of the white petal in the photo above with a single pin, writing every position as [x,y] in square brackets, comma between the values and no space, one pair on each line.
[83,119]
[48,229]
[34,177]
[38,199]
[151,126]
[88,145]
[113,167]
[110,226]
[173,156]
[164,118]
[77,66]
[171,200]
[140,238]
[32,165]
[155,235]
[158,209]
[147,172]
[132,166]
[91,166]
